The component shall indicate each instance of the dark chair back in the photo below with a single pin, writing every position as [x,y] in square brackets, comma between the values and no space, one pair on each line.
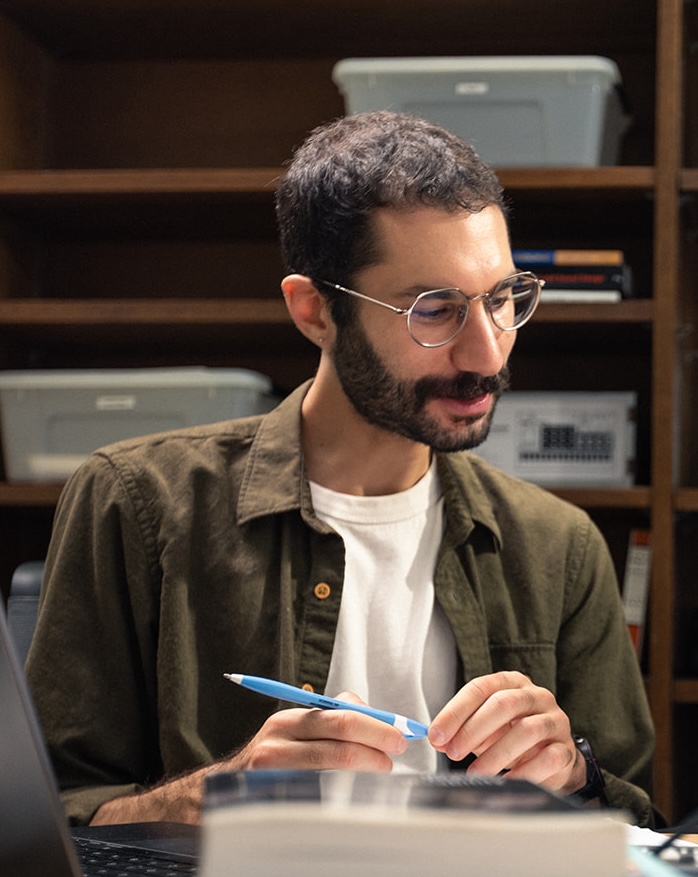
[23,604]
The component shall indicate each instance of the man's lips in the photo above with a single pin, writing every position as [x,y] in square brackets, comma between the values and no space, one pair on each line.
[467,392]
[476,406]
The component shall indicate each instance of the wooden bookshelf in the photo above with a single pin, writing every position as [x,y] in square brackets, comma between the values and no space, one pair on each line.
[142,143]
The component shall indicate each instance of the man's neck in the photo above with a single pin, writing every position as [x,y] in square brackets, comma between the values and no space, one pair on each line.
[343,452]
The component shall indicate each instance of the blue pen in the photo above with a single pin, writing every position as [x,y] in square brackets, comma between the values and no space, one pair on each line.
[409,727]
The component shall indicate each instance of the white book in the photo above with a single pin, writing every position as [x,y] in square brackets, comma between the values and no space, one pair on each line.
[579,296]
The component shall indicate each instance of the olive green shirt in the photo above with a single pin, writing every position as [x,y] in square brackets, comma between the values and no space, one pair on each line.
[178,557]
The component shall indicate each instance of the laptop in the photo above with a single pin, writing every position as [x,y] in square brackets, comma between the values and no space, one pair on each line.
[35,839]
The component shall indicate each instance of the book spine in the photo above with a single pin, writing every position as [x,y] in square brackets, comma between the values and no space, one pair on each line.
[590,277]
[524,258]
[636,582]
[551,295]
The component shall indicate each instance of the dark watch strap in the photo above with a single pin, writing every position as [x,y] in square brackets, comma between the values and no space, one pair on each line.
[594,787]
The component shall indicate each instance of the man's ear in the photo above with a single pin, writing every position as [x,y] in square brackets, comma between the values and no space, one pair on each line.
[308,309]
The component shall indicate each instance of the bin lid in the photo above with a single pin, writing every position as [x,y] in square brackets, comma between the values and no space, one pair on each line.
[190,376]
[478,64]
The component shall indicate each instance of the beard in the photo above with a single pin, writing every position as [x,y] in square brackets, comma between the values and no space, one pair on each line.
[399,406]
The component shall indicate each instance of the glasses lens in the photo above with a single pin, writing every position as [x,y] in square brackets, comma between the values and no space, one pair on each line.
[514,300]
[436,317]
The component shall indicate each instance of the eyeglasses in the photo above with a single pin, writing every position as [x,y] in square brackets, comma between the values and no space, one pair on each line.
[435,317]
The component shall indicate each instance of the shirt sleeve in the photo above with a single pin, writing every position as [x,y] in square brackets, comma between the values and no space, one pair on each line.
[91,665]
[600,686]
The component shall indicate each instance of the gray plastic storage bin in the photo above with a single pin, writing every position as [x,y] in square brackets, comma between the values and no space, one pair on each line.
[516,111]
[51,420]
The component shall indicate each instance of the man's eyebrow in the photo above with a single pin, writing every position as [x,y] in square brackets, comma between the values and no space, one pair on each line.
[418,289]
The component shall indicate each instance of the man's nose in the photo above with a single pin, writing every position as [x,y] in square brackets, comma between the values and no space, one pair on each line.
[480,346]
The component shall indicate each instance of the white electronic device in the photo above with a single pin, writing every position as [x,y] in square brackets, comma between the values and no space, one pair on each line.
[564,439]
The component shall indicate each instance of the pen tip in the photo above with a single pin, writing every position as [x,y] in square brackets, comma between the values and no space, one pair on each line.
[234,677]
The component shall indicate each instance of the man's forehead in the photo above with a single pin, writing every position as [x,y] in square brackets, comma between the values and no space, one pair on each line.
[395,233]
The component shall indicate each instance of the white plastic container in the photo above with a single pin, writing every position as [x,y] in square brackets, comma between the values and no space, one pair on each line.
[517,111]
[51,420]
[564,439]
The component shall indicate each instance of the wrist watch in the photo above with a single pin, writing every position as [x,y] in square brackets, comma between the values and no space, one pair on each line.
[594,787]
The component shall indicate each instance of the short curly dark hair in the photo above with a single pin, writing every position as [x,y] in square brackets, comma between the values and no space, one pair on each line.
[351,167]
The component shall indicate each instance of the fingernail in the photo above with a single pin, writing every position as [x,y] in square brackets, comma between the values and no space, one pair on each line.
[401,746]
[436,737]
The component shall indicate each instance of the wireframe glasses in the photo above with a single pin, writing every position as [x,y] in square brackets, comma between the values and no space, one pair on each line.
[436,316]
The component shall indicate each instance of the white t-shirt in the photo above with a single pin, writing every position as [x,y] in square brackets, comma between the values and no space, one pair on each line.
[394,646]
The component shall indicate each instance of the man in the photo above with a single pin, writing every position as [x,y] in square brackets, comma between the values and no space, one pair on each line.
[345,541]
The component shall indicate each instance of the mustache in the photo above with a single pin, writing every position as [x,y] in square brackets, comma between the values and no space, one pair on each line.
[466,385]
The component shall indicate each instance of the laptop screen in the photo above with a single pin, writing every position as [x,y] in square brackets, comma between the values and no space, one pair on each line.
[34,835]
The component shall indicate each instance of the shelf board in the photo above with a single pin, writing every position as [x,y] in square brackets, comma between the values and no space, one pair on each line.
[125,312]
[581,180]
[106,183]
[147,201]
[29,495]
[44,184]
[686,691]
[638,310]
[605,498]
[201,312]
[689,179]
[687,499]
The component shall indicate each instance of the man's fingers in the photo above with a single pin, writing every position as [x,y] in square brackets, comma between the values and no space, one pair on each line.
[477,717]
[510,725]
[318,755]
[349,726]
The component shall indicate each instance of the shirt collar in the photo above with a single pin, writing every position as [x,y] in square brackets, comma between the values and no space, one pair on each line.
[275,481]
[466,500]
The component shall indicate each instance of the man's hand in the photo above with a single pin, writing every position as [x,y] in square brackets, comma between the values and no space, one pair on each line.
[512,725]
[309,739]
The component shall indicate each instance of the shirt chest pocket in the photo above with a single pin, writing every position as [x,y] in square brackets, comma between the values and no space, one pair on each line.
[536,660]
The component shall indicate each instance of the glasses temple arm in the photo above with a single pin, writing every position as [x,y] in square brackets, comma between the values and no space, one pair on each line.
[375,301]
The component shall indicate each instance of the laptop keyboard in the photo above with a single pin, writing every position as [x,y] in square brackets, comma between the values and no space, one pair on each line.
[98,858]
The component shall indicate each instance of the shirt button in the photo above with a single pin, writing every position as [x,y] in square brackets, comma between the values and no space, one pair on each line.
[306,686]
[322,590]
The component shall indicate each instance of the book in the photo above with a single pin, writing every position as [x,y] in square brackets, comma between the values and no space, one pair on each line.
[552,295]
[636,581]
[616,277]
[340,823]
[523,257]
